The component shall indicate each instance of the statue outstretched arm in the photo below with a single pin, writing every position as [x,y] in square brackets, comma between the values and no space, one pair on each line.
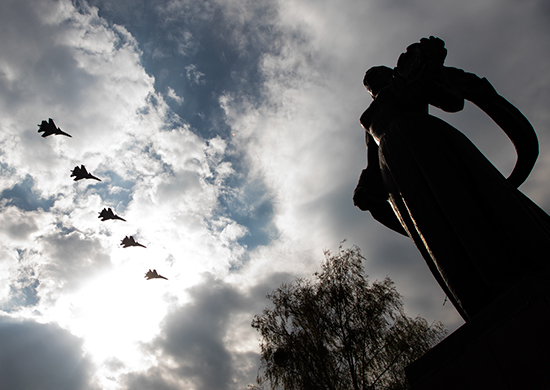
[370,193]
[516,126]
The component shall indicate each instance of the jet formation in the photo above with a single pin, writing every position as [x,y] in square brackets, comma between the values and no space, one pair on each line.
[49,128]
[80,173]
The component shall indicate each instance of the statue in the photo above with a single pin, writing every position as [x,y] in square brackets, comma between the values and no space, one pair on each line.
[476,231]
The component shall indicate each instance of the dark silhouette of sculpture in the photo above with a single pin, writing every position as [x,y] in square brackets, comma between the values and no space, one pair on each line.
[153,275]
[49,128]
[80,173]
[477,232]
[129,241]
[108,214]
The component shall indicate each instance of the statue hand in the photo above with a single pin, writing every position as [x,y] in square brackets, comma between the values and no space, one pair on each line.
[360,199]
[379,208]
[370,189]
[364,200]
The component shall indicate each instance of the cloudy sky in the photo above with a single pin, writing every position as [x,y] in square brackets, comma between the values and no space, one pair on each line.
[226,133]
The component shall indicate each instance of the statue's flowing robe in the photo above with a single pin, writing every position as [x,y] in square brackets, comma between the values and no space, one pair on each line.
[477,232]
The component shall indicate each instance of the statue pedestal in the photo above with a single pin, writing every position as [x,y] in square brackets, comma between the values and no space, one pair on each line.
[506,346]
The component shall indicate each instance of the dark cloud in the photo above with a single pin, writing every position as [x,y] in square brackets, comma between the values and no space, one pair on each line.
[193,347]
[52,75]
[17,224]
[151,379]
[67,82]
[41,356]
[267,285]
[194,335]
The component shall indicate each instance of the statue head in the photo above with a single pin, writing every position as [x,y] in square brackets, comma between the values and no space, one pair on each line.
[377,78]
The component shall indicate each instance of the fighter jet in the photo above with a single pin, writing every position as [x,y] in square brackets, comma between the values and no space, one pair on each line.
[108,214]
[129,241]
[80,173]
[49,128]
[153,275]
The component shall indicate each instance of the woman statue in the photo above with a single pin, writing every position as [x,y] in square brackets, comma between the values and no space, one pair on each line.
[477,232]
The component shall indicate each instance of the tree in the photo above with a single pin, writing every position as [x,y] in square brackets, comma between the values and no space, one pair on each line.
[338,331]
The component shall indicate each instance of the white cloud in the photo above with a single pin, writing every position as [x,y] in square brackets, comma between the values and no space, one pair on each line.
[172,95]
[194,75]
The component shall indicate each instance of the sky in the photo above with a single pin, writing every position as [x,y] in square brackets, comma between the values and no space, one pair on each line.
[226,133]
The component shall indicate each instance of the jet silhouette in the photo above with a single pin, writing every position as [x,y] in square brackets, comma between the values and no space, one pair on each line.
[49,128]
[153,275]
[108,214]
[129,241]
[80,173]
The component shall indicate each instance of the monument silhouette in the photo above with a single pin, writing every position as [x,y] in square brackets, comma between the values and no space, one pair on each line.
[485,242]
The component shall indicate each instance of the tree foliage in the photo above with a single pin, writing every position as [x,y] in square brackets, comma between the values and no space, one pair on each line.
[338,331]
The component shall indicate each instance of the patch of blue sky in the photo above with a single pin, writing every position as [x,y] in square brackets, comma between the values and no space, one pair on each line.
[64,230]
[24,296]
[172,121]
[5,169]
[251,207]
[23,291]
[260,226]
[115,192]
[197,61]
[23,196]
[151,152]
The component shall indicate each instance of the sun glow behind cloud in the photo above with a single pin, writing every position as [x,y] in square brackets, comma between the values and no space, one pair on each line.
[115,312]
